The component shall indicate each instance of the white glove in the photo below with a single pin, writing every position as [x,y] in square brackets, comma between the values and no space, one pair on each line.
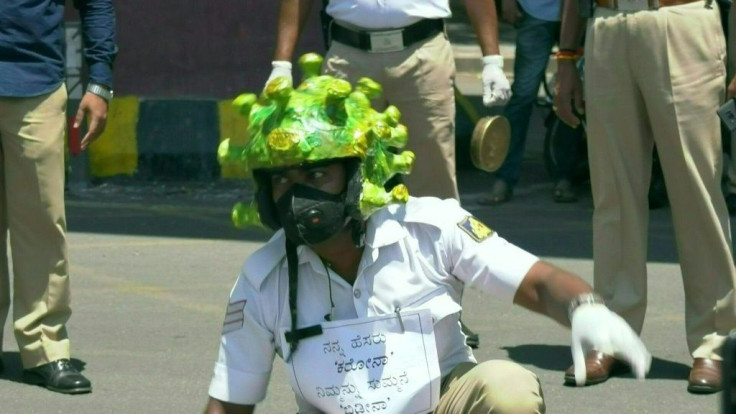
[496,88]
[594,326]
[280,68]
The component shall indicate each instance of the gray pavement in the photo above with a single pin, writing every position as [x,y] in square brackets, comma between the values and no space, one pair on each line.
[152,267]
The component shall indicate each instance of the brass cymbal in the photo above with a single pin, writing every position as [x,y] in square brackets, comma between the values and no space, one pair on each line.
[490,142]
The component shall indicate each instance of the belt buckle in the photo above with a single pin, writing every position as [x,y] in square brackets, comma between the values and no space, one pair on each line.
[386,41]
[632,5]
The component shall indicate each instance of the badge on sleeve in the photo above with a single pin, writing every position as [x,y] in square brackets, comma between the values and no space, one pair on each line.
[475,228]
[234,317]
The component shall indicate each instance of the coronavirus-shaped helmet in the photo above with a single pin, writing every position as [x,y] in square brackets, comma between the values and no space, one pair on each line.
[324,118]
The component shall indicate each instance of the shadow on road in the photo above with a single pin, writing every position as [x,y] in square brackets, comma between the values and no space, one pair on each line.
[558,358]
[199,210]
[12,368]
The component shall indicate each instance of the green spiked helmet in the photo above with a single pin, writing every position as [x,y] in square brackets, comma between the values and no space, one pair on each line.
[325,118]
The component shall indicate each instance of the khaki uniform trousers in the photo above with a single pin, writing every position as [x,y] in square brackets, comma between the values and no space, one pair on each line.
[658,77]
[419,81]
[497,386]
[32,212]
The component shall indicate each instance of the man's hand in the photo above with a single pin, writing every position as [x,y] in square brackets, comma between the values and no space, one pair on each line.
[281,68]
[496,88]
[569,91]
[594,326]
[510,11]
[95,109]
[731,89]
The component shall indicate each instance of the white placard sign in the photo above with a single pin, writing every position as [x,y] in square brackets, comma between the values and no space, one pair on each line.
[370,365]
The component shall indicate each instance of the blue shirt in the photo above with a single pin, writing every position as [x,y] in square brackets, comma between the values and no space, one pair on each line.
[32,44]
[548,10]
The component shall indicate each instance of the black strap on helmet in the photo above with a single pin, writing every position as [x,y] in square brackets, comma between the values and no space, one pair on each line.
[295,335]
[292,263]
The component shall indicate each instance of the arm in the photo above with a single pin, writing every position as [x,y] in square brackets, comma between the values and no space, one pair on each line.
[482,15]
[215,406]
[569,87]
[292,18]
[98,34]
[548,290]
[571,23]
[246,352]
[482,259]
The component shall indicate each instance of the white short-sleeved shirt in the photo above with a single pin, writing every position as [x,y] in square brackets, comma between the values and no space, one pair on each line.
[421,254]
[381,14]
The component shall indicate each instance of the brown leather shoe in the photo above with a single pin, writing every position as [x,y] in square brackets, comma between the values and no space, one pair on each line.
[705,377]
[598,368]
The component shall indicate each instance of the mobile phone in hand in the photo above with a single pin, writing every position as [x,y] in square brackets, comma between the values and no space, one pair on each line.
[727,113]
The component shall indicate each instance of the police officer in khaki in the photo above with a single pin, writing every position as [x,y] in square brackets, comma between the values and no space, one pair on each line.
[655,73]
[402,45]
[359,288]
[33,122]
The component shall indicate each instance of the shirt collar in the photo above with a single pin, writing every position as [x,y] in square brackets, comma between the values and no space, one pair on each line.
[265,260]
[383,228]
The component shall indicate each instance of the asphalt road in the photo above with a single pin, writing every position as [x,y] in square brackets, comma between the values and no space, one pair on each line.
[152,267]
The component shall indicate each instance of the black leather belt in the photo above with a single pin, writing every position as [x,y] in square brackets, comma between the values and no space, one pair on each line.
[387,40]
[637,5]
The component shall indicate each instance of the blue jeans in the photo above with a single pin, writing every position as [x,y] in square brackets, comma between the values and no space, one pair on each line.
[534,41]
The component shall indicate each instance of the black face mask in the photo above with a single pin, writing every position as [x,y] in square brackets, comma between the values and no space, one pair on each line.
[310,216]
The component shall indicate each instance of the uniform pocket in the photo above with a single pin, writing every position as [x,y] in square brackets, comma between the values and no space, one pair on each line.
[439,303]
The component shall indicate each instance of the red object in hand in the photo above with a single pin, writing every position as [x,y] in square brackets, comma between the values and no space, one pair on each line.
[75,143]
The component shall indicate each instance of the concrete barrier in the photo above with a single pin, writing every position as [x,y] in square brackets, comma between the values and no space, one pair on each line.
[177,139]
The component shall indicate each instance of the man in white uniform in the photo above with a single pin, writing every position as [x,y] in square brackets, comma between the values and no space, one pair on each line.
[402,45]
[349,249]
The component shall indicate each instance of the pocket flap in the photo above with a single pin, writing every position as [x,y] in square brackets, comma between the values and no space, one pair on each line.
[439,303]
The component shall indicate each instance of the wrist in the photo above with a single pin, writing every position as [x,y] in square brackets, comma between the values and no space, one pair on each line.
[564,54]
[103,91]
[588,298]
[492,60]
[567,62]
[578,50]
[281,64]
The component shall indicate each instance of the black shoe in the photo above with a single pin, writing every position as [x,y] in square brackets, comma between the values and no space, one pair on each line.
[731,203]
[501,192]
[472,339]
[59,376]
